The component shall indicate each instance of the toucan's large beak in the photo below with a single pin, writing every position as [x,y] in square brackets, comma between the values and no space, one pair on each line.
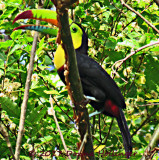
[39,14]
[42,15]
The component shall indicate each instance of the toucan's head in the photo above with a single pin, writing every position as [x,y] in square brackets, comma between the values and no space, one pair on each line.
[79,37]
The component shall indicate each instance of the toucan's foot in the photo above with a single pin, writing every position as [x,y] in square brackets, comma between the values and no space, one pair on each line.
[96,113]
[91,98]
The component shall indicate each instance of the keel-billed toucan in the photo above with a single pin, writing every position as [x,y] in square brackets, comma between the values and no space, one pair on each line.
[95,80]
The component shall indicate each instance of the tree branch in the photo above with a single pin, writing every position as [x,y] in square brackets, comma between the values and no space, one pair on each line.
[63,4]
[25,99]
[6,137]
[157,2]
[137,16]
[145,121]
[121,61]
[137,13]
[73,80]
[58,127]
[148,104]
[154,139]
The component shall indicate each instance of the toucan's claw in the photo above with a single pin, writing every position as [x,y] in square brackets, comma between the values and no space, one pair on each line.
[96,113]
[91,98]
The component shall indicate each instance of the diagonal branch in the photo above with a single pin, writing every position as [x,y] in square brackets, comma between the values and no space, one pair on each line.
[157,2]
[121,61]
[145,121]
[137,13]
[58,127]
[6,137]
[25,100]
[148,104]
[153,141]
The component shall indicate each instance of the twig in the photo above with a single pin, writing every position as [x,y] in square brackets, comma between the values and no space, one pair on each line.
[157,2]
[127,91]
[99,128]
[25,100]
[58,127]
[109,131]
[148,104]
[137,16]
[46,84]
[106,138]
[114,26]
[13,132]
[145,121]
[121,61]
[137,13]
[82,144]
[154,139]
[6,137]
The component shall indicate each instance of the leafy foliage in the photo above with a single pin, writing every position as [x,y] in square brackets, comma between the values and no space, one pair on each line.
[113,33]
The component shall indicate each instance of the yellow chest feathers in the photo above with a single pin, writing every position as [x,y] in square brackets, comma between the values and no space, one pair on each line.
[76,33]
[59,57]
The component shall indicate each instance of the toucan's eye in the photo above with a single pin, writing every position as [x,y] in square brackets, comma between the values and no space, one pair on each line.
[74,29]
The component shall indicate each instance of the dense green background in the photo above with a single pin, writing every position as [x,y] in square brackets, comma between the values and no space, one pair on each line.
[113,33]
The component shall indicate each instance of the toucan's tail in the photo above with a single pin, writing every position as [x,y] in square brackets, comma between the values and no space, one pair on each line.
[125,134]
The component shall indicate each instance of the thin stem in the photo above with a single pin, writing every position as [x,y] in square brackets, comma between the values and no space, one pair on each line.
[58,127]
[154,139]
[25,100]
[121,61]
[109,131]
[146,121]
[148,104]
[6,137]
[137,13]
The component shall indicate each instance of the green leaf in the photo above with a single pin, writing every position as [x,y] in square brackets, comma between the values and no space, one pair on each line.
[24,157]
[12,70]
[153,100]
[54,92]
[6,44]
[152,69]
[142,39]
[98,148]
[129,43]
[14,3]
[36,114]
[15,34]
[114,56]
[138,121]
[8,12]
[136,139]
[17,46]
[41,46]
[1,64]
[46,139]
[111,43]
[132,91]
[10,107]
[39,91]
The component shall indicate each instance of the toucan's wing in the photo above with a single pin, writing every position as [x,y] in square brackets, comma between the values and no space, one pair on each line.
[97,82]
